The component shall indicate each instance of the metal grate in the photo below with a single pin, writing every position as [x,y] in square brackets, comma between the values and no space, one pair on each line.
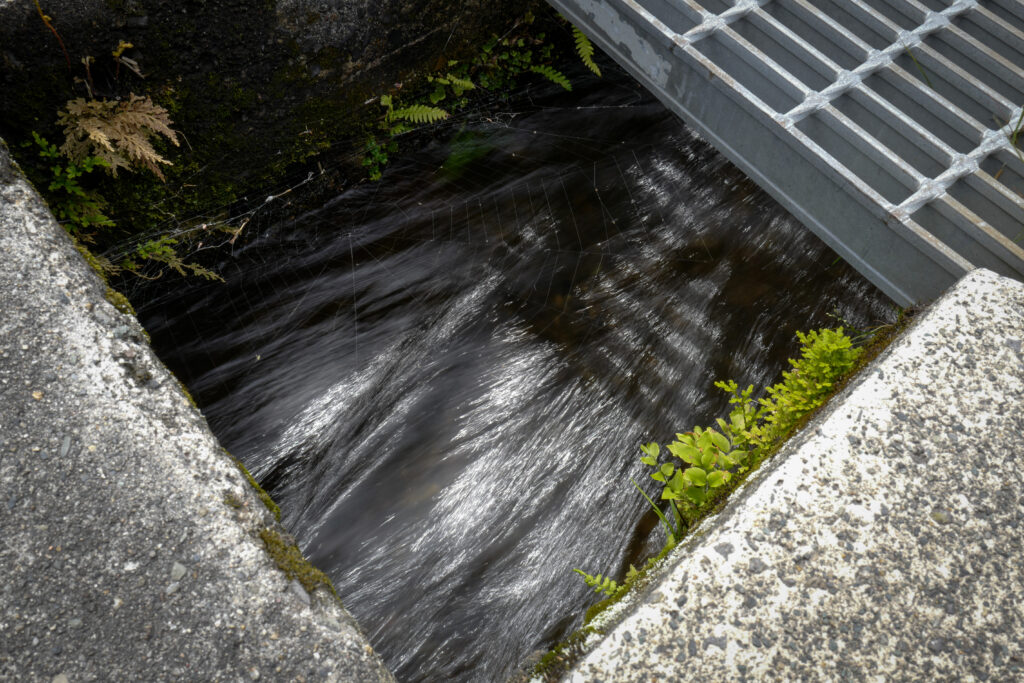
[884,125]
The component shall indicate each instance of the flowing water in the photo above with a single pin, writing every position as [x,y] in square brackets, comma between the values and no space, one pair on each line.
[443,377]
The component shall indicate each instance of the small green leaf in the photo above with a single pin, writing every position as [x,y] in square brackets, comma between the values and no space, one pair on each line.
[585,49]
[678,482]
[418,113]
[461,83]
[720,440]
[553,75]
[687,439]
[696,475]
[707,460]
[716,479]
[667,469]
[704,440]
[672,533]
[658,476]
[696,495]
[728,387]
[651,449]
[685,452]
[649,460]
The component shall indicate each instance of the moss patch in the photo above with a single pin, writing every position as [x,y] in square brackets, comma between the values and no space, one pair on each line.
[187,394]
[561,657]
[91,259]
[289,559]
[119,301]
[116,298]
[264,496]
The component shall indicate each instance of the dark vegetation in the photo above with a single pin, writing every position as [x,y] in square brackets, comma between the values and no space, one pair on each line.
[264,111]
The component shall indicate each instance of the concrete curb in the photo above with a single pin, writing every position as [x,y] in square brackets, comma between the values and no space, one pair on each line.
[883,543]
[131,544]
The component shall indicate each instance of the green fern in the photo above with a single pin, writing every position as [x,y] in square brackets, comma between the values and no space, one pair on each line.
[163,250]
[585,49]
[459,85]
[418,113]
[601,584]
[553,75]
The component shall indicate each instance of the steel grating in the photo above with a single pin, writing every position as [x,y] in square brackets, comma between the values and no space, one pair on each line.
[884,125]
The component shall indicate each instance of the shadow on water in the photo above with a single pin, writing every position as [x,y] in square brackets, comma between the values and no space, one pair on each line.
[444,377]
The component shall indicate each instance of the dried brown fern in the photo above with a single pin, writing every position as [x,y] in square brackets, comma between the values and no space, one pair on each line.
[117,132]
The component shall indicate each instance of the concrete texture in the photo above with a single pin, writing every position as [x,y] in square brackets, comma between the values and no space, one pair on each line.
[884,543]
[130,544]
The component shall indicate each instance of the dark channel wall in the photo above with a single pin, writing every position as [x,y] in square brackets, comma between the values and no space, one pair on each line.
[255,86]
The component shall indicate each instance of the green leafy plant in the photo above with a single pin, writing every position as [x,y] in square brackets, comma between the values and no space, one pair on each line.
[707,462]
[162,250]
[442,84]
[78,209]
[606,585]
[414,113]
[398,120]
[673,529]
[552,74]
[375,157]
[600,584]
[825,356]
[501,60]
[585,49]
[708,459]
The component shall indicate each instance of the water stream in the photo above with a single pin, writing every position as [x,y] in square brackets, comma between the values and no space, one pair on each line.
[443,377]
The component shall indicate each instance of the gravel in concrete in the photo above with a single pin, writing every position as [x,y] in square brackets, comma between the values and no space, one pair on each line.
[121,557]
[886,542]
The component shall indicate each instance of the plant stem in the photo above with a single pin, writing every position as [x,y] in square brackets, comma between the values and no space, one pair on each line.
[46,20]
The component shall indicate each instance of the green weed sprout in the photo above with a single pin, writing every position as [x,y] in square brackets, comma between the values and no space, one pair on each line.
[79,210]
[607,585]
[707,460]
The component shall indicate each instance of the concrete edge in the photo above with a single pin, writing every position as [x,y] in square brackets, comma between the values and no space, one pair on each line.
[94,399]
